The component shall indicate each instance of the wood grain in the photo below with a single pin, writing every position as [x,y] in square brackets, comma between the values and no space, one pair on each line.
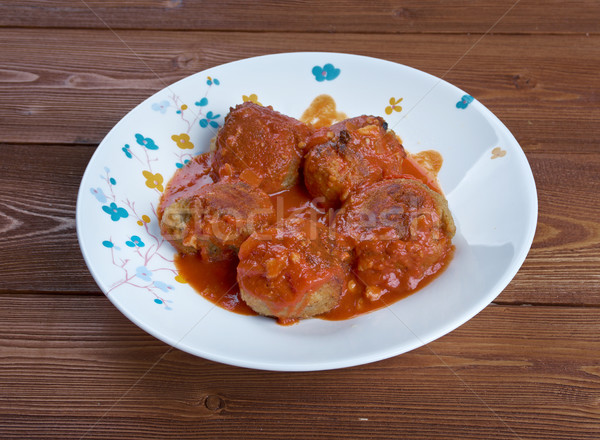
[39,249]
[410,16]
[562,266]
[536,85]
[76,364]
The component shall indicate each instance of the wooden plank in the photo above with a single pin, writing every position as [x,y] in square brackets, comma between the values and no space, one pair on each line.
[39,248]
[536,85]
[562,267]
[411,16]
[74,368]
[37,212]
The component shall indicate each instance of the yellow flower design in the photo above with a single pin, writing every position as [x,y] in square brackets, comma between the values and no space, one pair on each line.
[154,180]
[393,107]
[180,279]
[145,219]
[252,98]
[183,141]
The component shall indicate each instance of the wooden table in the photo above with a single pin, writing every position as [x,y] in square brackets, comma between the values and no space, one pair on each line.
[72,366]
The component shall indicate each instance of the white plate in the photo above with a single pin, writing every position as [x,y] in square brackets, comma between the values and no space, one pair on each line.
[486,178]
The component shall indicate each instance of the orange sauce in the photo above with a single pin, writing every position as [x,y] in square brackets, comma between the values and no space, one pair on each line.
[353,302]
[187,180]
[295,201]
[415,168]
[322,112]
[216,281]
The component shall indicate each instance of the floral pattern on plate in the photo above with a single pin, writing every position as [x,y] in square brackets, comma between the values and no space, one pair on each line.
[141,262]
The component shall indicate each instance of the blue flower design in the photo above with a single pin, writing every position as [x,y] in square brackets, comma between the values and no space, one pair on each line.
[146,142]
[205,122]
[144,273]
[135,241]
[127,151]
[115,212]
[464,101]
[163,286]
[112,181]
[203,102]
[327,72]
[180,165]
[158,301]
[99,194]
[210,81]
[108,244]
[161,106]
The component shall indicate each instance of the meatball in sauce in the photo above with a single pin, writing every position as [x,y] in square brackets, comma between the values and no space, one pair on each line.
[348,154]
[263,143]
[289,270]
[216,219]
[400,231]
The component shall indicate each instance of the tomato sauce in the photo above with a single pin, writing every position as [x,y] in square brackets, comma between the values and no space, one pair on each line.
[295,273]
[414,167]
[322,112]
[187,180]
[216,281]
[260,139]
[353,301]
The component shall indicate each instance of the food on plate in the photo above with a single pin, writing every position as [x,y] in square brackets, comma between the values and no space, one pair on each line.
[348,154]
[289,270]
[376,229]
[216,219]
[400,230]
[262,145]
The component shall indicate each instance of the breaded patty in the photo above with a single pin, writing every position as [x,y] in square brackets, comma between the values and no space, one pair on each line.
[348,154]
[264,142]
[288,271]
[400,231]
[216,219]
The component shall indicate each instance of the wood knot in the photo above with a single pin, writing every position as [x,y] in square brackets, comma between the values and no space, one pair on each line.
[25,111]
[183,60]
[73,80]
[523,81]
[16,76]
[403,13]
[214,402]
[172,4]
